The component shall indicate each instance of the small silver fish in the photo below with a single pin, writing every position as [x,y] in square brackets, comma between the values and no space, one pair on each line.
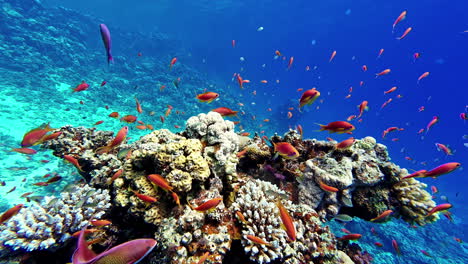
[343,218]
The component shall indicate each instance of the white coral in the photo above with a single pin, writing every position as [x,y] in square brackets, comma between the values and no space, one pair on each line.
[40,226]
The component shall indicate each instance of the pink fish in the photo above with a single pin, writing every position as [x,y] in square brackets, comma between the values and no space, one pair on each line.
[106,39]
[127,253]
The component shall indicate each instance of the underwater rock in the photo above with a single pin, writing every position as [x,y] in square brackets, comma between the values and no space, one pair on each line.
[52,222]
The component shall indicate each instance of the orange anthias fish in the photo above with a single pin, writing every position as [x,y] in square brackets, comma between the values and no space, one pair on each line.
[339,127]
[434,120]
[114,115]
[416,174]
[350,237]
[381,51]
[382,216]
[35,136]
[115,176]
[327,188]
[119,138]
[10,213]
[145,198]
[129,119]
[138,106]
[407,31]
[398,20]
[81,87]
[444,148]
[240,81]
[224,111]
[422,76]
[442,169]
[286,150]
[308,97]
[99,223]
[258,240]
[26,151]
[129,252]
[208,205]
[73,161]
[173,61]
[207,97]
[390,90]
[345,143]
[332,56]
[287,221]
[290,62]
[362,107]
[364,67]
[160,182]
[396,247]
[438,208]
[384,72]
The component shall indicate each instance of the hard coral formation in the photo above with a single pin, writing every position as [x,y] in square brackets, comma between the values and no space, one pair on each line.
[221,141]
[256,202]
[415,202]
[46,225]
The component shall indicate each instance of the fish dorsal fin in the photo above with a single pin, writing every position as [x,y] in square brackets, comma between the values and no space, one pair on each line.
[83,254]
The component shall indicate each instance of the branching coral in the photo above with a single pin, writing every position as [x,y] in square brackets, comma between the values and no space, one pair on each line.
[52,222]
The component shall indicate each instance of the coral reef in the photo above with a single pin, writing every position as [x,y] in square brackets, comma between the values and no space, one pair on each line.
[46,225]
[258,214]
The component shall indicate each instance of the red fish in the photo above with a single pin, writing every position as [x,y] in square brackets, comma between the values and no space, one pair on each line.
[398,20]
[224,111]
[173,61]
[444,148]
[81,87]
[384,72]
[438,208]
[396,247]
[99,223]
[347,143]
[351,117]
[422,76]
[10,213]
[408,30]
[258,240]
[127,253]
[103,83]
[417,174]
[362,107]
[138,107]
[208,205]
[176,198]
[364,67]
[233,43]
[98,123]
[145,198]
[207,97]
[119,138]
[442,169]
[51,136]
[287,221]
[434,120]
[27,151]
[240,81]
[299,129]
[350,237]
[391,129]
[378,244]
[73,161]
[390,90]
[339,127]
[129,119]
[56,178]
[290,62]
[286,150]
[381,51]
[160,182]
[416,55]
[115,176]
[434,189]
[35,136]
[382,216]
[328,188]
[114,115]
[332,56]
[308,97]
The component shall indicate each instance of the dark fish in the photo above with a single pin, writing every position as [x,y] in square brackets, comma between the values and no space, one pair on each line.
[36,198]
[106,38]
[344,218]
[2,183]
[12,189]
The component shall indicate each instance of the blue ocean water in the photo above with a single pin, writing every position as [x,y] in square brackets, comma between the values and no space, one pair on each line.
[200,35]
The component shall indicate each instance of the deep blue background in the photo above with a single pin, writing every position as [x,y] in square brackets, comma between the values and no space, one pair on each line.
[205,29]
